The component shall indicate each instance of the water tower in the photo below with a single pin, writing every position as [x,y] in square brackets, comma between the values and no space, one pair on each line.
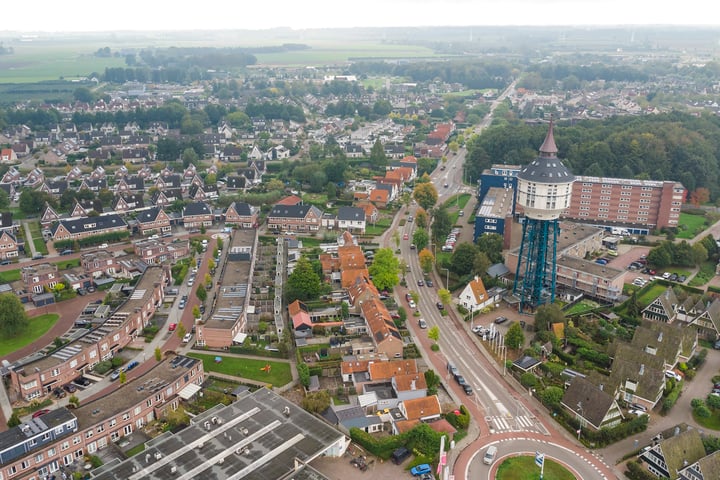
[544,188]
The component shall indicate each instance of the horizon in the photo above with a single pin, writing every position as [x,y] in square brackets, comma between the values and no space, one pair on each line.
[135,16]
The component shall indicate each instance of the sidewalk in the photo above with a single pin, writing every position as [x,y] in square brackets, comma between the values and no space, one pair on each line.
[29,239]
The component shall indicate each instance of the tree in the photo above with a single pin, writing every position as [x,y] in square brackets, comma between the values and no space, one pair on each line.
[421,218]
[432,380]
[180,331]
[13,319]
[196,311]
[396,238]
[220,243]
[123,377]
[445,296]
[377,155]
[491,244]
[552,396]
[158,354]
[4,199]
[74,400]
[546,315]
[699,253]
[481,263]
[425,195]
[303,283]
[14,420]
[83,94]
[211,179]
[659,257]
[442,223]
[385,269]
[316,402]
[420,238]
[304,374]
[461,261]
[189,155]
[426,260]
[434,333]
[208,280]
[33,202]
[514,338]
[201,293]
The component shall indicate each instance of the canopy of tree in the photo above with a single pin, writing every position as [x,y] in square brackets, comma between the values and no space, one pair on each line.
[674,146]
[13,319]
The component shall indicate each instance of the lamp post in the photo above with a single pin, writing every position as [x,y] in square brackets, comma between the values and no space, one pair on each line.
[447,279]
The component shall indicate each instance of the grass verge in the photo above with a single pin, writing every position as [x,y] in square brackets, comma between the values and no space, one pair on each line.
[37,327]
[10,276]
[524,468]
[690,225]
[704,275]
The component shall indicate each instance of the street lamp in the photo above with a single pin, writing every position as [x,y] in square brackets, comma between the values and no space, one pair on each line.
[447,279]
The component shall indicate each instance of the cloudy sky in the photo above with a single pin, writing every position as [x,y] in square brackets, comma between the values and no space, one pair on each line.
[87,15]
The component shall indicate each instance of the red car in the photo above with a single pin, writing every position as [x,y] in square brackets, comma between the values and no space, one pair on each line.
[172,327]
[405,236]
[40,413]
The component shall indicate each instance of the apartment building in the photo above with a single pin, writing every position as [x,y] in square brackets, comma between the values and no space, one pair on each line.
[62,437]
[650,204]
[38,278]
[36,377]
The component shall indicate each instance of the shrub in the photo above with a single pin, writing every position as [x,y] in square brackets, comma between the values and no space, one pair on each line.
[635,471]
[696,402]
[528,380]
[702,411]
[435,347]
[116,362]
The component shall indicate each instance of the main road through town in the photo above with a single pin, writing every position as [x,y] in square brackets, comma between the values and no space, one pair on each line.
[503,411]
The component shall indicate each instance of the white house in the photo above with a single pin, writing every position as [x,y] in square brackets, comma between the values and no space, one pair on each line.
[474,297]
[351,219]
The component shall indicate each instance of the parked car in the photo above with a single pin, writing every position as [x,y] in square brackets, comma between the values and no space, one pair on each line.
[405,236]
[467,389]
[70,388]
[82,381]
[681,278]
[59,393]
[637,406]
[421,469]
[68,251]
[103,245]
[115,374]
[440,306]
[394,316]
[187,338]
[132,365]
[429,282]
[671,374]
[460,380]
[601,261]
[40,413]
[411,304]
[172,327]
[500,320]
[422,323]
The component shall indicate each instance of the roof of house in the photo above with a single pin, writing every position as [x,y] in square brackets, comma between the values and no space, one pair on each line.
[422,407]
[664,304]
[293,211]
[387,370]
[588,400]
[351,214]
[196,208]
[635,365]
[477,287]
[241,208]
[150,215]
[290,200]
[90,224]
[381,325]
[664,340]
[679,449]
[706,468]
[410,382]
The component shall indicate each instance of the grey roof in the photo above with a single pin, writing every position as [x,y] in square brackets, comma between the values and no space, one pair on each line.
[351,213]
[526,362]
[588,400]
[91,224]
[16,435]
[149,215]
[497,270]
[196,208]
[241,208]
[293,211]
[260,436]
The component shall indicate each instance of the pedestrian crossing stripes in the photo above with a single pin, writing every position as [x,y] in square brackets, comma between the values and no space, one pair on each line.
[501,424]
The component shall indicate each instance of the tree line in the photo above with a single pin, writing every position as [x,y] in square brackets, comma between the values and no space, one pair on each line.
[675,146]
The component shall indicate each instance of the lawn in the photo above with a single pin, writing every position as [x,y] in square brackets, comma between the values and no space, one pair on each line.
[37,239]
[690,225]
[704,275]
[10,276]
[524,468]
[65,264]
[581,307]
[712,422]
[38,326]
[646,297]
[379,227]
[247,368]
[458,201]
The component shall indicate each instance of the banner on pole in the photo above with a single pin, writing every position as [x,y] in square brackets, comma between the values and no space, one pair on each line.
[539,459]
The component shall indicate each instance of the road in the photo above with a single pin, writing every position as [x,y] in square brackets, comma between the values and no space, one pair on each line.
[500,411]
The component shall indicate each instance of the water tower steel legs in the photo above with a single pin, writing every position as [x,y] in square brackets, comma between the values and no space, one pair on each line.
[537,263]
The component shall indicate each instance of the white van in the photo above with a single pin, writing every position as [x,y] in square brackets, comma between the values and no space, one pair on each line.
[489,457]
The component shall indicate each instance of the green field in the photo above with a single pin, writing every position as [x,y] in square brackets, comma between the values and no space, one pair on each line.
[691,225]
[323,52]
[10,276]
[38,326]
[247,368]
[524,468]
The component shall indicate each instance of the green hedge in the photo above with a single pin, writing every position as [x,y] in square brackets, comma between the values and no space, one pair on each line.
[672,397]
[421,440]
[94,240]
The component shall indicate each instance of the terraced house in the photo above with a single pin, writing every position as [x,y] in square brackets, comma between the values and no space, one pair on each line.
[88,227]
[39,376]
[294,218]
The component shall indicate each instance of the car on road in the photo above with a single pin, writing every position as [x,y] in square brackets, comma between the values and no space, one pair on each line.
[411,304]
[460,380]
[412,246]
[410,218]
[429,282]
[172,327]
[467,389]
[182,304]
[187,338]
[421,469]
[489,456]
[405,236]
[408,297]
[500,320]
[115,374]
[40,413]
[422,323]
[445,185]
[461,213]
[68,251]
[420,283]
[440,306]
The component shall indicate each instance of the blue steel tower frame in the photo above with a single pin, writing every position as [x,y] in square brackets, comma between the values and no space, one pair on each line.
[537,262]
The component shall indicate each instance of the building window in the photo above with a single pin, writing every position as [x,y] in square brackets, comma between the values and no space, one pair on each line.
[76,440]
[126,416]
[65,446]
[127,429]
[113,422]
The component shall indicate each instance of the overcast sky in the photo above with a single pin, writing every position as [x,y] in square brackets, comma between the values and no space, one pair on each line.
[94,15]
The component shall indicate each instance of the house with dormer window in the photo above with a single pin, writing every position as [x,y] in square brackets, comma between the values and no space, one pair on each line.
[474,297]
[241,214]
[128,202]
[153,220]
[592,406]
[87,227]
[669,456]
[663,308]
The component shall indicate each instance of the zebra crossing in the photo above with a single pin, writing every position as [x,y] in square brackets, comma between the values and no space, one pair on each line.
[510,423]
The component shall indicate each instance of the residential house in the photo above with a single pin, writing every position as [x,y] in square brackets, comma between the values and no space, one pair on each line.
[666,458]
[234,182]
[99,263]
[49,216]
[591,404]
[6,222]
[299,218]
[345,417]
[704,469]
[87,227]
[663,308]
[167,197]
[128,202]
[54,187]
[385,335]
[417,410]
[299,316]
[670,342]
[93,184]
[637,376]
[202,192]
[351,219]
[153,220]
[371,211]
[197,214]
[289,200]
[241,214]
[707,319]
[38,278]
[168,182]
[98,173]
[379,197]
[474,297]
[8,155]
[131,183]
[21,149]
[8,244]
[154,252]
[278,152]
[13,176]
[74,174]
[9,189]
